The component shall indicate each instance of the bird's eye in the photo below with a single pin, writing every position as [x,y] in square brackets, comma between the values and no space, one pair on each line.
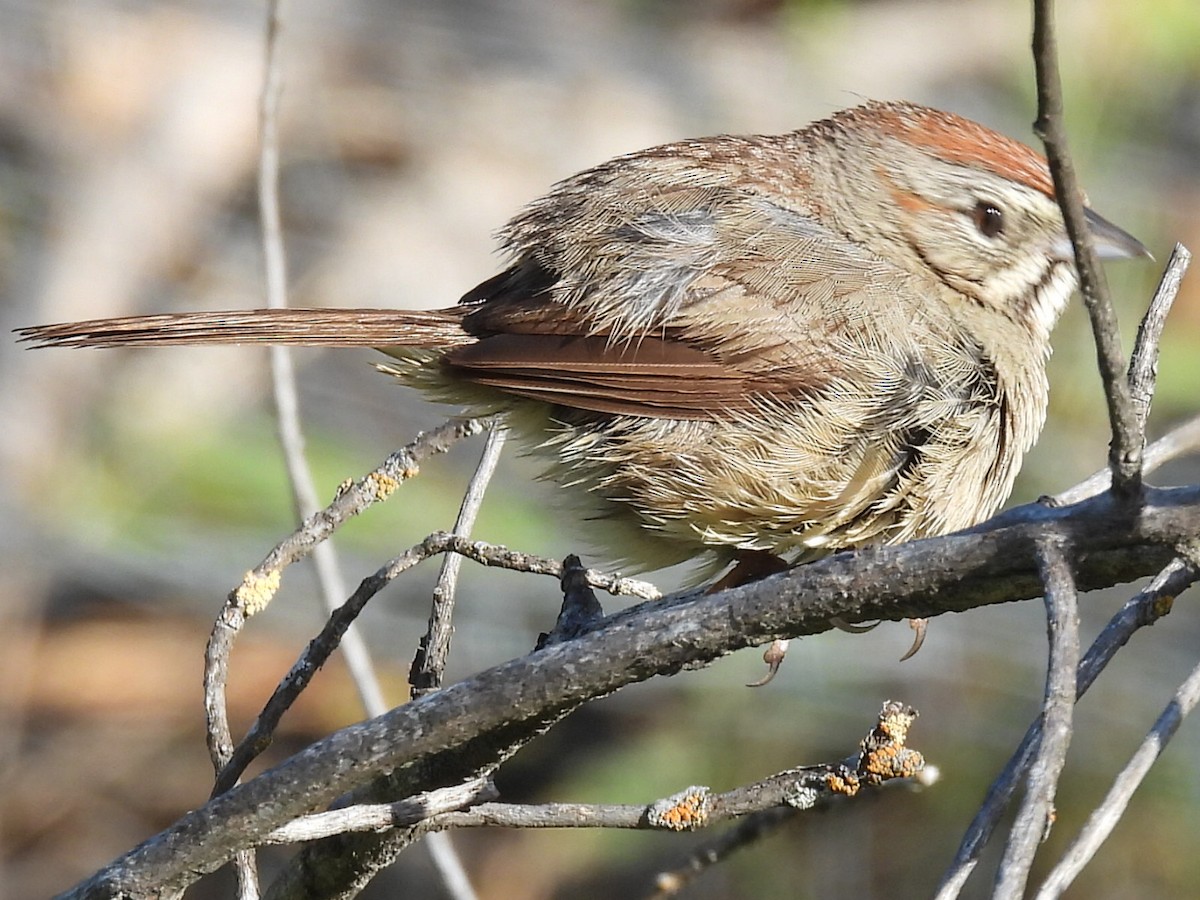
[988,218]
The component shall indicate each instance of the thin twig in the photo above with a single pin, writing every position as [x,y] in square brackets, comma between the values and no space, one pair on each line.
[431,660]
[1037,810]
[1105,817]
[1145,608]
[763,822]
[283,381]
[580,610]
[883,756]
[283,374]
[352,498]
[483,719]
[381,816]
[435,647]
[1177,442]
[1125,452]
[1143,364]
[320,648]
[748,831]
[260,584]
[1141,378]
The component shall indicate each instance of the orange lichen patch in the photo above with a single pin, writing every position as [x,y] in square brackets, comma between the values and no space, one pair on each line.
[682,811]
[884,755]
[256,591]
[891,762]
[385,485]
[843,782]
[895,722]
[880,762]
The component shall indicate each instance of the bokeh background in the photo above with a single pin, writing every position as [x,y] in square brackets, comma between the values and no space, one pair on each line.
[136,487]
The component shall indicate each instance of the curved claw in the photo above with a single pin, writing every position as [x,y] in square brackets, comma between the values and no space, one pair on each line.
[842,625]
[919,627]
[773,657]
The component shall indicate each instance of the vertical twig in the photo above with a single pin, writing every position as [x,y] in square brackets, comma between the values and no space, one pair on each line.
[1143,363]
[1145,608]
[1037,810]
[275,268]
[430,663]
[1143,372]
[435,647]
[1125,452]
[283,376]
[1105,817]
[291,437]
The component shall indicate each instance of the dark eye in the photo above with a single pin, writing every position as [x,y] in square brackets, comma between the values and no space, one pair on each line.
[988,218]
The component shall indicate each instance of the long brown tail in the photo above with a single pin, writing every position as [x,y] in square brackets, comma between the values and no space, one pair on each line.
[295,327]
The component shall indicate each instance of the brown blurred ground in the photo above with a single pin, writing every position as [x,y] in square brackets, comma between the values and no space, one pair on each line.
[137,487]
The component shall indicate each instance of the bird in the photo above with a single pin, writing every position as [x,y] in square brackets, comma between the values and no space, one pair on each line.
[745,351]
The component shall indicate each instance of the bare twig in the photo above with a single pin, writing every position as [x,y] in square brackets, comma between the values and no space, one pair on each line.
[1143,364]
[452,874]
[1180,441]
[882,757]
[320,648]
[882,742]
[435,646]
[260,584]
[1177,442]
[380,816]
[1141,378]
[481,719]
[352,498]
[1105,817]
[283,376]
[749,830]
[283,379]
[1125,453]
[427,668]
[1037,811]
[580,610]
[1146,608]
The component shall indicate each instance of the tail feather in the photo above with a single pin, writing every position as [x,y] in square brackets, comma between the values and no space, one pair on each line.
[432,329]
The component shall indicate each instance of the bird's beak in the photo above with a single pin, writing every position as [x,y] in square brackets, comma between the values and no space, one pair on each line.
[1110,241]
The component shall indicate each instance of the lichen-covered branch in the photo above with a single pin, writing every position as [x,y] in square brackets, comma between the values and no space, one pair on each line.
[993,563]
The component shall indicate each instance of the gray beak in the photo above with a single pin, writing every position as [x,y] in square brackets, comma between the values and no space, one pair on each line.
[1110,241]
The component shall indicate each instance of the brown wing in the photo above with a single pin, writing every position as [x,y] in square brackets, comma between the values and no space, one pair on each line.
[655,377]
[669,284]
[682,302]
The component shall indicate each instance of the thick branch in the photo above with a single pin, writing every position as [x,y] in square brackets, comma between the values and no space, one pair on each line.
[991,564]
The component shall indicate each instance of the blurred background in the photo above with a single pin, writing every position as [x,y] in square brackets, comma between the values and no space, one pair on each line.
[137,487]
